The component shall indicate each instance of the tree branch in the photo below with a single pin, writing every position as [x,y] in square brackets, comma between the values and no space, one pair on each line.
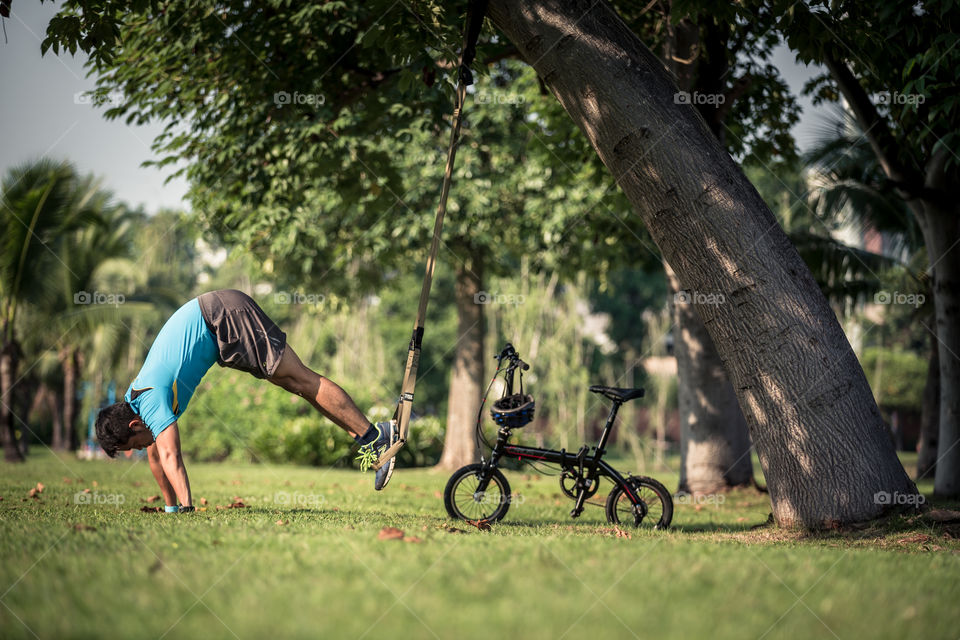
[873,124]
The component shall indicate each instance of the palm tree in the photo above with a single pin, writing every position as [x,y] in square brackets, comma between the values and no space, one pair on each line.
[39,203]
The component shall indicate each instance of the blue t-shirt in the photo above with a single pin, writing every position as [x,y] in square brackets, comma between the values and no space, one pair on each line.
[180,355]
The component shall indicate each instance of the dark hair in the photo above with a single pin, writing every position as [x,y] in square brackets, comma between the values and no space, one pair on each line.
[113,426]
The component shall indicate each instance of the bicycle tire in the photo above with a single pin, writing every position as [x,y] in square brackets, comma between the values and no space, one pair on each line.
[657,504]
[461,501]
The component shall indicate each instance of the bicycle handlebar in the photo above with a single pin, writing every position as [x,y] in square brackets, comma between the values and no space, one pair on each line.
[509,353]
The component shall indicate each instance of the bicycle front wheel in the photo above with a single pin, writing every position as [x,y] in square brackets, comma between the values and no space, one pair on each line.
[465,501]
[655,509]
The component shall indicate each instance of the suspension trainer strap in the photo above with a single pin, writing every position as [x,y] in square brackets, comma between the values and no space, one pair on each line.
[474,23]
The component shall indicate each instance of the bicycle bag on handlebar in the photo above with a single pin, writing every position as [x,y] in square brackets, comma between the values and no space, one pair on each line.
[513,411]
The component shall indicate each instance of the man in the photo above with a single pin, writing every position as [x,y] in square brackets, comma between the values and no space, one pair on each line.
[229,328]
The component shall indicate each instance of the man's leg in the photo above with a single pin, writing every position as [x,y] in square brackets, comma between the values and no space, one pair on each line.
[333,402]
[324,394]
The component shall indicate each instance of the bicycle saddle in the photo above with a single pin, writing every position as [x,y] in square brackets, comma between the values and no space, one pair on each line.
[617,394]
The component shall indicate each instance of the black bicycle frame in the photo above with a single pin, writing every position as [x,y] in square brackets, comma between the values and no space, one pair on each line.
[589,467]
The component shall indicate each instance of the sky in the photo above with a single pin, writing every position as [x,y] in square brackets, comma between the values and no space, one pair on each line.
[42,113]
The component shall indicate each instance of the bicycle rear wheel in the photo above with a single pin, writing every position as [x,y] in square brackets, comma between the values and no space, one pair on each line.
[463,500]
[654,511]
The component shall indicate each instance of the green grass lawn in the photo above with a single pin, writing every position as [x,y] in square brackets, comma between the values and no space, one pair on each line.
[304,560]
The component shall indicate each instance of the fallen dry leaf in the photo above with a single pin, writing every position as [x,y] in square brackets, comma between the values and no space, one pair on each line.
[87,490]
[67,480]
[83,527]
[203,501]
[482,525]
[40,487]
[236,504]
[390,533]
[437,494]
[413,539]
[621,533]
[151,509]
[282,522]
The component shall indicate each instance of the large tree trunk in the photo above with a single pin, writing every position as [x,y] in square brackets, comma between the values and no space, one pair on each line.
[714,441]
[8,430]
[817,430]
[52,401]
[941,228]
[930,415]
[466,383]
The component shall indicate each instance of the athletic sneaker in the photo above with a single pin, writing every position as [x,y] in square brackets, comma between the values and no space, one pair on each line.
[370,453]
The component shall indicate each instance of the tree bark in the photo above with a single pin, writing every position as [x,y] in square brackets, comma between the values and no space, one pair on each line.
[941,229]
[930,415]
[817,430]
[56,417]
[8,430]
[466,382]
[714,441]
[69,362]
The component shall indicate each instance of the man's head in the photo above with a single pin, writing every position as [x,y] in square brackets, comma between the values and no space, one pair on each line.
[120,429]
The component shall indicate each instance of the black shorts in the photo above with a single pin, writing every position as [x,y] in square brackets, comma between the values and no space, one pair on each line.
[247,339]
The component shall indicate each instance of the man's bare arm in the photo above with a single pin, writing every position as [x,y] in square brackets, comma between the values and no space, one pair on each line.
[153,457]
[171,462]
